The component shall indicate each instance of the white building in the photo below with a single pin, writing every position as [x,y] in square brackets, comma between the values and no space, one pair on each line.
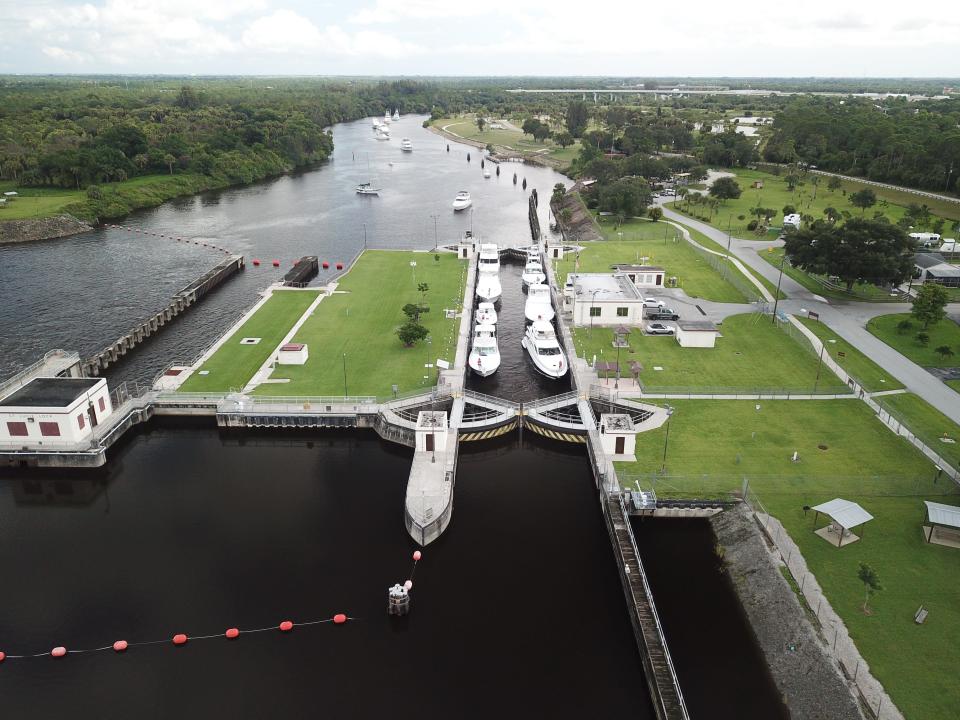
[602,299]
[697,333]
[792,220]
[53,412]
[618,437]
[293,354]
[643,276]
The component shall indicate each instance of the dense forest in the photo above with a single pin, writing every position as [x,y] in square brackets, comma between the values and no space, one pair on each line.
[911,144]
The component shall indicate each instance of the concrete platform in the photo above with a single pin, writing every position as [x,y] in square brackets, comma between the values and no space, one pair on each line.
[830,535]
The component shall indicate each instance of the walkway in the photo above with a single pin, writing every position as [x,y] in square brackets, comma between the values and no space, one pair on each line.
[848,320]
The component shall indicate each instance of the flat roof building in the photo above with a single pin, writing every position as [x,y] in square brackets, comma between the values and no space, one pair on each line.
[697,333]
[53,412]
[603,299]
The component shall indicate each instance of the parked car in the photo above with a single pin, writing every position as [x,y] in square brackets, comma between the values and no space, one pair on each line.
[658,329]
[653,303]
[663,313]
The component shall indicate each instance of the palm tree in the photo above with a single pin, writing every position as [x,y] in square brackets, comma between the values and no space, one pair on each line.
[169,160]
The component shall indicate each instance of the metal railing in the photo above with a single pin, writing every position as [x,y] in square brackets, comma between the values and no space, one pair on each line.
[21,378]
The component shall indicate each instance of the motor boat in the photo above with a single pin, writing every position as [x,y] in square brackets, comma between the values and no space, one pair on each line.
[540,342]
[489,258]
[538,305]
[396,114]
[406,145]
[462,201]
[367,189]
[488,287]
[376,123]
[486,314]
[486,174]
[533,272]
[383,133]
[386,117]
[484,358]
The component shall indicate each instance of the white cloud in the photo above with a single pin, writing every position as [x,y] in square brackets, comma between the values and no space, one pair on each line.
[285,31]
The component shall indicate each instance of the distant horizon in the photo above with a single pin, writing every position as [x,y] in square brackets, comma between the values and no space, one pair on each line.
[482,76]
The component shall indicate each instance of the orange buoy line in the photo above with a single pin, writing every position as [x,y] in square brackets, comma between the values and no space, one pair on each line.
[170,237]
[179,639]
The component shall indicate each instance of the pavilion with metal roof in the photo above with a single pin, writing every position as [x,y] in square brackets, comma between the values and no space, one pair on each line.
[845,515]
[943,524]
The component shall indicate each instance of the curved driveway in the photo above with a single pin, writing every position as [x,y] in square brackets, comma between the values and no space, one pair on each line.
[848,320]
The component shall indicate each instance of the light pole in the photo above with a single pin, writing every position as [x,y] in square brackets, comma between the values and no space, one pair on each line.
[819,366]
[364,236]
[426,365]
[593,299]
[776,296]
[666,439]
[413,267]
[345,375]
[436,239]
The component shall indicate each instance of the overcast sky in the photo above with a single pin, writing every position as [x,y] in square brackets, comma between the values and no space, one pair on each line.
[482,37]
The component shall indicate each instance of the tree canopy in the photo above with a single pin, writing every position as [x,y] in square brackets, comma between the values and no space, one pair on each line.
[929,307]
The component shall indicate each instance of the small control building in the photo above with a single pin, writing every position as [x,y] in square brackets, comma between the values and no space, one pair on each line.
[53,412]
[697,333]
[293,354]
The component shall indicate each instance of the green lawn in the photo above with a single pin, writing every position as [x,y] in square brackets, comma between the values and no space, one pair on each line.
[661,244]
[751,355]
[233,364]
[775,194]
[35,202]
[871,376]
[946,332]
[466,127]
[714,445]
[360,320]
[955,384]
[861,291]
[928,423]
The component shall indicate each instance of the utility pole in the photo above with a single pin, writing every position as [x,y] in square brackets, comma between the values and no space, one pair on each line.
[345,394]
[364,236]
[666,440]
[776,296]
[436,240]
[819,366]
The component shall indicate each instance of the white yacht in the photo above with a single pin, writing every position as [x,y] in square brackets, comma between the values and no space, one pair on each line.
[386,117]
[538,305]
[486,314]
[406,145]
[484,356]
[486,173]
[376,123]
[488,287]
[383,133]
[462,201]
[533,272]
[489,258]
[540,342]
[367,189]
[396,113]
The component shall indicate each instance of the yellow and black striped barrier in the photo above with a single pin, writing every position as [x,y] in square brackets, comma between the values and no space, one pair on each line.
[555,434]
[488,434]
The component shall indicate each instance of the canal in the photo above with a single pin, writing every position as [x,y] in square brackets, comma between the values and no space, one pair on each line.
[517,610]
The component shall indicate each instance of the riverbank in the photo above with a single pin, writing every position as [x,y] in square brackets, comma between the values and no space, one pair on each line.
[503,151]
[805,674]
[48,228]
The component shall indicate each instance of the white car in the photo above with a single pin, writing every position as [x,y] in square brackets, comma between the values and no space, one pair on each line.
[653,303]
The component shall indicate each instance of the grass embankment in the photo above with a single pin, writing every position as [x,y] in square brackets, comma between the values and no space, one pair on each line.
[930,425]
[751,355]
[466,127]
[871,376]
[361,320]
[946,332]
[32,203]
[637,241]
[860,292]
[863,462]
[807,199]
[233,364]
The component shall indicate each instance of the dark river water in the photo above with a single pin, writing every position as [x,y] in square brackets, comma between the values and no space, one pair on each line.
[517,609]
[82,292]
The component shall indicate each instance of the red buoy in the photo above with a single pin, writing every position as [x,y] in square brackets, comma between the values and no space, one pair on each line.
[276,263]
[256,261]
[286,626]
[325,265]
[339,266]
[232,633]
[417,555]
[120,645]
[59,651]
[339,618]
[3,656]
[179,639]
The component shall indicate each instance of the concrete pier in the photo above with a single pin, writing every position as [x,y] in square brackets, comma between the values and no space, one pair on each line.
[184,299]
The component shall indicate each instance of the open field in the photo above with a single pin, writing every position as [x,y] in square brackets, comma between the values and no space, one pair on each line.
[927,422]
[233,364]
[751,355]
[661,244]
[946,332]
[466,127]
[360,320]
[871,376]
[807,198]
[36,202]
[714,445]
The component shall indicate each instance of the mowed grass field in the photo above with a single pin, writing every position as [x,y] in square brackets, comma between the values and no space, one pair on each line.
[35,202]
[356,328]
[661,244]
[233,364]
[933,427]
[714,445]
[871,376]
[861,291]
[946,332]
[751,355]
[808,199]
[466,127]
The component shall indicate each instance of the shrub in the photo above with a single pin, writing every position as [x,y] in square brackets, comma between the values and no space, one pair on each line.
[752,225]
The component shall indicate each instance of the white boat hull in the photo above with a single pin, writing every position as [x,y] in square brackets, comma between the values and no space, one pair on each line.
[538,311]
[488,288]
[529,279]
[461,205]
[553,369]
[486,366]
